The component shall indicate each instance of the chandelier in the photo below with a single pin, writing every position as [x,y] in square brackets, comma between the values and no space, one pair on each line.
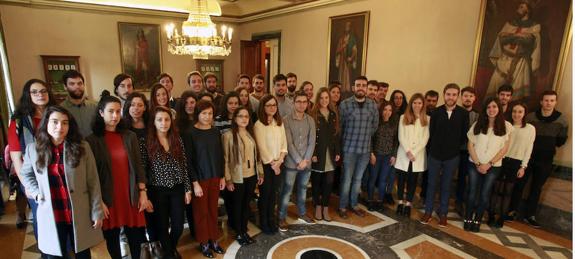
[199,36]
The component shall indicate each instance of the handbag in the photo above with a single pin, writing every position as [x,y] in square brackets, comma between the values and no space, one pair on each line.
[151,250]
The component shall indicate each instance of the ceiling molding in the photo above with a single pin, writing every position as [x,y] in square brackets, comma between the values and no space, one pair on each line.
[106,9]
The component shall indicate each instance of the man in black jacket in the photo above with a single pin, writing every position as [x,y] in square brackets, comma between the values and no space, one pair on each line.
[447,132]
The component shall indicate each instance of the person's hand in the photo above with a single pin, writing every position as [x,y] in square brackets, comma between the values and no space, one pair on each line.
[372,159]
[520,172]
[222,183]
[97,224]
[314,159]
[261,180]
[188,197]
[106,211]
[302,165]
[484,168]
[198,190]
[143,202]
[410,156]
[150,207]
[392,160]
[230,187]
[337,157]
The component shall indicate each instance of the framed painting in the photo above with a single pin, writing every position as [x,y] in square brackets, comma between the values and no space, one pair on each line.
[140,53]
[347,48]
[54,69]
[215,66]
[521,43]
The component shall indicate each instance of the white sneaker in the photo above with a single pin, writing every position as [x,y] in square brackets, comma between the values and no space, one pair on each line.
[124,246]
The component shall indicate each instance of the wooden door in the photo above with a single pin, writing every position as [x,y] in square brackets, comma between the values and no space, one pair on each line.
[250,57]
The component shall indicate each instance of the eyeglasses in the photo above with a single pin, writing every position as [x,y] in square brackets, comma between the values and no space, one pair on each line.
[39,92]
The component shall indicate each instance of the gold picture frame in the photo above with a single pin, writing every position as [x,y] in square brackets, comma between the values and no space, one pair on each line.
[349,31]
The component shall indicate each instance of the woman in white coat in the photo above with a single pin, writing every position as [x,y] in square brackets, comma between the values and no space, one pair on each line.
[59,172]
[411,158]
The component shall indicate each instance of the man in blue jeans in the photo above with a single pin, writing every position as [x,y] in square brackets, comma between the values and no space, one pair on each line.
[447,132]
[300,134]
[359,120]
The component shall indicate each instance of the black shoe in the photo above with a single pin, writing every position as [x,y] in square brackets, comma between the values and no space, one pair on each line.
[206,252]
[241,240]
[249,239]
[216,247]
[467,224]
[380,206]
[476,226]
[407,211]
[491,220]
[499,222]
[510,216]
[399,210]
[532,222]
[371,206]
[389,199]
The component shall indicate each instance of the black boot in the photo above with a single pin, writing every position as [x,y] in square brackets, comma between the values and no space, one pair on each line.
[467,224]
[491,220]
[399,210]
[371,206]
[241,240]
[407,211]
[476,225]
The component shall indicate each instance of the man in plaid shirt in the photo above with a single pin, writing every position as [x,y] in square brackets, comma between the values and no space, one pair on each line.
[359,120]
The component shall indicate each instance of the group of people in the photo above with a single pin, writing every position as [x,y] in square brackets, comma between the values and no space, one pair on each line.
[126,164]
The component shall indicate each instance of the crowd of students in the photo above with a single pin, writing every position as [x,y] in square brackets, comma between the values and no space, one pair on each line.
[126,164]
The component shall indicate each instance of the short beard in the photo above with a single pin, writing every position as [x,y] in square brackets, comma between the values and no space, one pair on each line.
[75,96]
[291,88]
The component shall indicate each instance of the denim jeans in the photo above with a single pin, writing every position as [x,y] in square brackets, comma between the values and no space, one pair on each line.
[390,181]
[442,171]
[380,173]
[300,178]
[480,184]
[354,165]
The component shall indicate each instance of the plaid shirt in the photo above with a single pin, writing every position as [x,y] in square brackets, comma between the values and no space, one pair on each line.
[58,187]
[358,124]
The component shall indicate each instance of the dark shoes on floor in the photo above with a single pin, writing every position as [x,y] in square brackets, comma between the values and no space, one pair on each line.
[244,239]
[216,247]
[403,210]
[471,225]
[532,222]
[206,252]
[342,213]
[388,198]
[425,219]
[399,209]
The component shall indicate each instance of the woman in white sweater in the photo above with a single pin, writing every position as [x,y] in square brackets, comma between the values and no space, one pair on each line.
[271,141]
[514,164]
[488,143]
[411,158]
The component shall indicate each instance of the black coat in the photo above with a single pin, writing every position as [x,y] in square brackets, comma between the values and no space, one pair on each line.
[325,138]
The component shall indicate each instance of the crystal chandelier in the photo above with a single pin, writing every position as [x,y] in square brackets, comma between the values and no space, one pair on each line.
[199,36]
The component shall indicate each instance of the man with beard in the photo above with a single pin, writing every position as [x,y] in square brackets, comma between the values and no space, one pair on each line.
[448,127]
[372,88]
[505,94]
[382,92]
[258,85]
[76,103]
[244,81]
[211,83]
[431,99]
[291,85]
[123,87]
[359,120]
[285,105]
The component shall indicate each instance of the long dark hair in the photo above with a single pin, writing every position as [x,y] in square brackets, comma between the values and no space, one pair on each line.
[182,118]
[236,136]
[153,143]
[400,110]
[153,101]
[126,109]
[73,151]
[26,107]
[262,116]
[224,104]
[523,121]
[482,124]
[314,113]
[98,124]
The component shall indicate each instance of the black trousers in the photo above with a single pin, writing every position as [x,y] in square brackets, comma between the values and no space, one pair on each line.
[136,236]
[406,179]
[168,214]
[228,204]
[66,238]
[539,169]
[240,203]
[268,198]
[502,191]
[321,184]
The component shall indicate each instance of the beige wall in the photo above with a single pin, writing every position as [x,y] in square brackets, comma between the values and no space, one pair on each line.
[31,32]
[413,45]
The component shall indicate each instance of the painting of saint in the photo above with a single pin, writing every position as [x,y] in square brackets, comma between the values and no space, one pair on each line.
[140,50]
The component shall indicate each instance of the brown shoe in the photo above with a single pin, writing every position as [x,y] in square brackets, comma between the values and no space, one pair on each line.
[443,221]
[359,212]
[342,213]
[325,214]
[317,214]
[283,227]
[425,219]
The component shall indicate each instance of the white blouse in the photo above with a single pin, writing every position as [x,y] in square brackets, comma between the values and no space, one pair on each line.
[412,138]
[488,145]
[271,141]
[521,143]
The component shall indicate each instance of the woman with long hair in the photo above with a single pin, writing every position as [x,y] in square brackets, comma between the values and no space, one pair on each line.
[122,177]
[244,94]
[159,96]
[271,140]
[399,102]
[204,153]
[413,134]
[36,96]
[168,182]
[488,144]
[335,94]
[185,111]
[326,153]
[230,103]
[242,171]
[514,164]
[383,155]
[59,171]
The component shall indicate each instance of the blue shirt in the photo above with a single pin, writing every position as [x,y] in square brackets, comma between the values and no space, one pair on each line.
[358,124]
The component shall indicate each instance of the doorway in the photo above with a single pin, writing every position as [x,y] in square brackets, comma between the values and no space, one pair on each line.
[261,55]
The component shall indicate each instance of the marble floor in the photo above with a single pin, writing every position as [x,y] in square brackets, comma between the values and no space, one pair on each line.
[377,235]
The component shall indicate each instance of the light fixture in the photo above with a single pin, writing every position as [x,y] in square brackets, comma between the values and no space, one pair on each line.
[199,36]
